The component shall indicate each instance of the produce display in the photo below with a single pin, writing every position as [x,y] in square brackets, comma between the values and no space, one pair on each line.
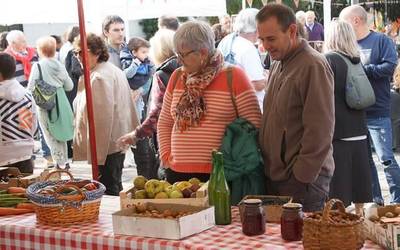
[390,216]
[144,210]
[160,189]
[64,189]
[13,201]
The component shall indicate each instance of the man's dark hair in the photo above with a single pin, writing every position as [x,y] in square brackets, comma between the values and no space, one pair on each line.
[283,14]
[110,20]
[72,33]
[57,38]
[137,42]
[168,22]
[7,66]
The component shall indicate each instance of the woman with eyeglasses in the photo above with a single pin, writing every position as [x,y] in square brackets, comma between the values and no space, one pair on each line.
[197,104]
[351,181]
[54,74]
[114,113]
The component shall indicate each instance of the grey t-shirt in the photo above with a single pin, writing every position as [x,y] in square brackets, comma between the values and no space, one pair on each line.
[114,56]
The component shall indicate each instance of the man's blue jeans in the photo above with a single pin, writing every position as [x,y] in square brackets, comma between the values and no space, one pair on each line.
[380,130]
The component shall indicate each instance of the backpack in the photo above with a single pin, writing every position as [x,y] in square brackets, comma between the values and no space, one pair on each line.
[359,92]
[44,94]
[230,57]
[243,162]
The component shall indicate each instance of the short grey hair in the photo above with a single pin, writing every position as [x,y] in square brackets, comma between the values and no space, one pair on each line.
[340,37]
[195,35]
[354,11]
[13,36]
[245,21]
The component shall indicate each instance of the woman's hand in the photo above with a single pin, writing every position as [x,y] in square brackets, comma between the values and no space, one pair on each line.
[128,139]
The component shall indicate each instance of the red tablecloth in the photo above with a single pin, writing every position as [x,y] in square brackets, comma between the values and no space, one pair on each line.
[22,232]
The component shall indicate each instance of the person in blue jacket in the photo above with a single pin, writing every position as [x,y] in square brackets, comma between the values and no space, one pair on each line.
[379,58]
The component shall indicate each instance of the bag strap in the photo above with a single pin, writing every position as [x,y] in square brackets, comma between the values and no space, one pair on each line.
[178,74]
[229,80]
[40,71]
[57,111]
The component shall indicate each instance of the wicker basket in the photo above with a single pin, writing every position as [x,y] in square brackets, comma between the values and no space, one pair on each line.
[320,231]
[61,210]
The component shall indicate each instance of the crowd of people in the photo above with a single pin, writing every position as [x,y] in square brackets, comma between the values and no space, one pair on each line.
[172,98]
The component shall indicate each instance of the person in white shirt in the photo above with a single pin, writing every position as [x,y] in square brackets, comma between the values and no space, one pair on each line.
[241,45]
[72,32]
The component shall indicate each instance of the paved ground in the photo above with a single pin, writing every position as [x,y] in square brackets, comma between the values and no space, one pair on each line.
[83,170]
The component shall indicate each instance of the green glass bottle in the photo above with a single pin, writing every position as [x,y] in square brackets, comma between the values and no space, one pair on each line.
[219,193]
[213,179]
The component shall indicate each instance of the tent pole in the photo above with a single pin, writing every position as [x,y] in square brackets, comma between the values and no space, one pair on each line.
[327,13]
[88,91]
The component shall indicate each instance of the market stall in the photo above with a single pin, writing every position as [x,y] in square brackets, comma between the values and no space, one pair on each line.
[23,232]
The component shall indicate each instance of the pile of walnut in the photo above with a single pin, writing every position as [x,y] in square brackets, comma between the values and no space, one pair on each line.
[335,217]
[376,218]
[144,210]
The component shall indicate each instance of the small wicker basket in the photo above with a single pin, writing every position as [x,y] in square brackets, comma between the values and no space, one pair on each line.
[331,230]
[61,210]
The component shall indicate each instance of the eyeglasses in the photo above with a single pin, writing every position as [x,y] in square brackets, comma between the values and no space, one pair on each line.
[183,55]
[77,52]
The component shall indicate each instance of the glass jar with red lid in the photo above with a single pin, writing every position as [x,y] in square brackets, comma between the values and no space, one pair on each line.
[253,217]
[292,222]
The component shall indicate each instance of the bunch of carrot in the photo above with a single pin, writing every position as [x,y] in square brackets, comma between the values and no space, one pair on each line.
[13,201]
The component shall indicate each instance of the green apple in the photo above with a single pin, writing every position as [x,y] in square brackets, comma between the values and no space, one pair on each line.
[165,184]
[161,195]
[176,194]
[183,185]
[139,182]
[194,181]
[169,190]
[140,194]
[153,186]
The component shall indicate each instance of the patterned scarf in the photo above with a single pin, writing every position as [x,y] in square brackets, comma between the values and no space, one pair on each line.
[191,106]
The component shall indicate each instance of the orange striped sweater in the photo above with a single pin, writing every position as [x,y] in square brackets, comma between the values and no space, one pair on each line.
[190,151]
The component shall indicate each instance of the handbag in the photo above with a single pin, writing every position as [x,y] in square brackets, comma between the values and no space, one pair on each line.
[243,162]
[359,92]
[44,94]
[60,124]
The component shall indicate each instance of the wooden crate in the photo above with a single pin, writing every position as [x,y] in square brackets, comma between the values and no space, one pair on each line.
[200,200]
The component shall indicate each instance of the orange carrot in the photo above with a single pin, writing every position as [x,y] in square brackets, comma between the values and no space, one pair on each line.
[16,190]
[26,205]
[13,211]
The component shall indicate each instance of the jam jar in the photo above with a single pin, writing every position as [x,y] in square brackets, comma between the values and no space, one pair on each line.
[253,221]
[292,222]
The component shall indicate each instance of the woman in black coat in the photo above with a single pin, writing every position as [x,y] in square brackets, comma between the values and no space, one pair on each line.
[351,181]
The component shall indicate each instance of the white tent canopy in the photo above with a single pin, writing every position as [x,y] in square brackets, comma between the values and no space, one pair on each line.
[65,11]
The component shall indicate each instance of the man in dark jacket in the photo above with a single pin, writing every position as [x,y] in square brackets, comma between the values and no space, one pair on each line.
[298,119]
[379,58]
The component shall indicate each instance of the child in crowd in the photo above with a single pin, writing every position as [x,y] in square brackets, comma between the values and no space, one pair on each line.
[18,119]
[138,70]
